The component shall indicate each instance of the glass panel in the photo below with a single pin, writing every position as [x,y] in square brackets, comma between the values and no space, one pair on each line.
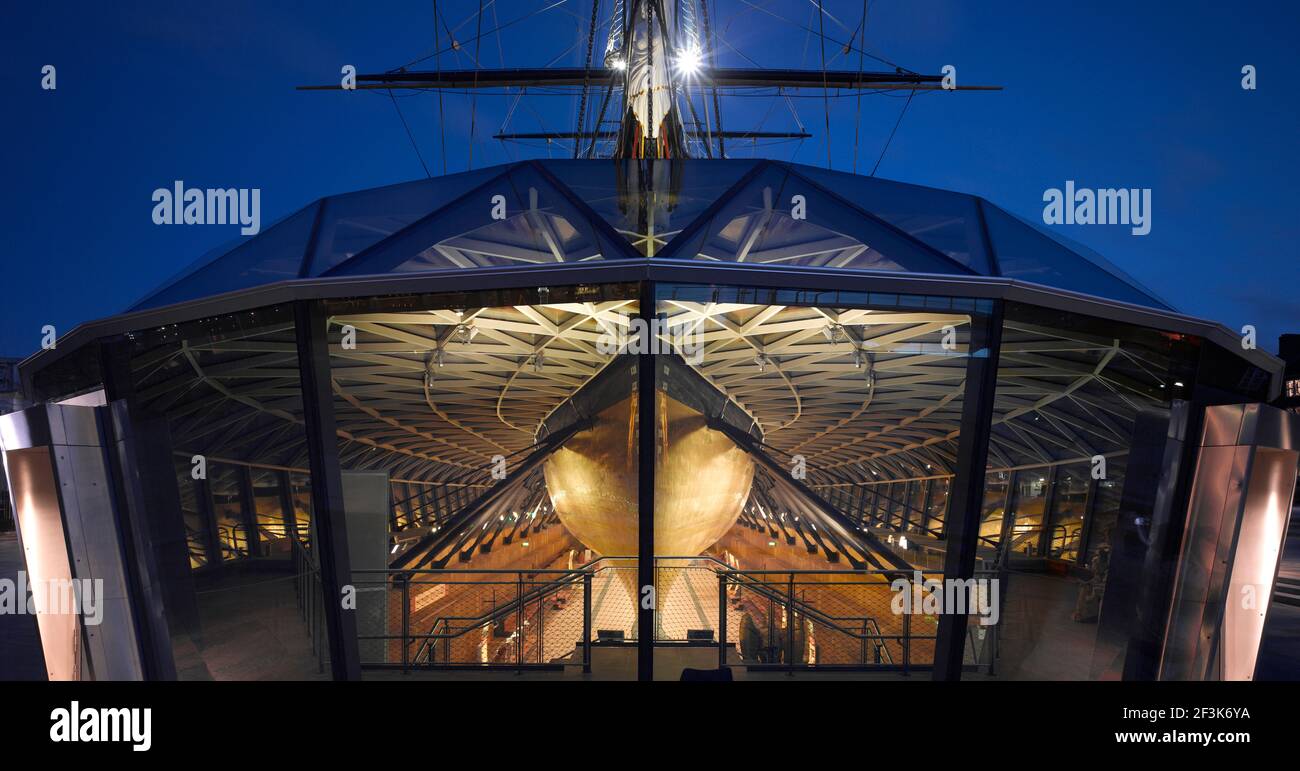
[649,208]
[948,222]
[274,254]
[247,605]
[937,511]
[227,508]
[996,489]
[273,536]
[819,411]
[1028,501]
[400,516]
[1070,392]
[300,488]
[193,515]
[781,218]
[1025,253]
[352,223]
[916,506]
[1069,505]
[516,218]
[207,259]
[1105,512]
[479,404]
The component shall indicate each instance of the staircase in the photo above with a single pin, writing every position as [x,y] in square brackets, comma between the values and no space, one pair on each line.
[1287,589]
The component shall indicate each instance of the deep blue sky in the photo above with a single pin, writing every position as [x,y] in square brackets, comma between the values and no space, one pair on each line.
[1136,93]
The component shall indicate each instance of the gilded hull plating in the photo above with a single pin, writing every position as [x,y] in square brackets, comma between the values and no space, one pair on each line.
[701,482]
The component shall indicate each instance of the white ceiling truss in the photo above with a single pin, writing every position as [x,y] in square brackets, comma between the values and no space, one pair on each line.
[863,395]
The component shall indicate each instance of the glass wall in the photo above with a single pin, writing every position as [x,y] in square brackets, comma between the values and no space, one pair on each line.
[1071,495]
[490,442]
[241,594]
[1069,393]
[826,464]
[1029,495]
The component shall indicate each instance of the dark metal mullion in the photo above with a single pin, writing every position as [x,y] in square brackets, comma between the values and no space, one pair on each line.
[1049,512]
[248,511]
[208,512]
[287,509]
[1085,532]
[925,506]
[646,445]
[967,493]
[328,521]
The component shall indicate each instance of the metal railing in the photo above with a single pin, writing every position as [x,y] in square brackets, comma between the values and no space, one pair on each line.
[539,618]
[821,619]
[440,618]
[307,589]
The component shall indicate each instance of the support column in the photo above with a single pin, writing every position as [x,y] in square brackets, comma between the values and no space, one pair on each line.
[148,516]
[645,570]
[248,511]
[1085,533]
[331,544]
[208,513]
[1049,512]
[967,494]
[286,504]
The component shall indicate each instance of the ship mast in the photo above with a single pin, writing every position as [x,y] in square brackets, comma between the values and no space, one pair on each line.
[655,52]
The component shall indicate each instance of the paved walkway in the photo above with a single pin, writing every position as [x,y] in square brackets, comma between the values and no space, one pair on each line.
[1279,654]
[20,647]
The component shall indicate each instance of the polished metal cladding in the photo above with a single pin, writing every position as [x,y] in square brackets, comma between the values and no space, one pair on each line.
[702,480]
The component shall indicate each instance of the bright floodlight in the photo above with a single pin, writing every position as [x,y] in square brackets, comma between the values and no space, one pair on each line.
[618,64]
[688,63]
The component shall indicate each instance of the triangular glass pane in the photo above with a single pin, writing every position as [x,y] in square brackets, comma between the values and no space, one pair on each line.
[353,222]
[275,254]
[1023,252]
[208,258]
[516,218]
[1091,255]
[947,221]
[649,202]
[781,218]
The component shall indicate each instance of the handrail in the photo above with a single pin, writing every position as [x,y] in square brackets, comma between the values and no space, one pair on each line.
[545,582]
[803,608]
[880,646]
[567,578]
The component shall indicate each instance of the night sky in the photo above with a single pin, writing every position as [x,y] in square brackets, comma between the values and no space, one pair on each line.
[1131,94]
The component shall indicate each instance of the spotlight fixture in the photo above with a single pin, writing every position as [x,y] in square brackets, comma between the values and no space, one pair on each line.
[833,332]
[539,361]
[762,361]
[430,373]
[464,333]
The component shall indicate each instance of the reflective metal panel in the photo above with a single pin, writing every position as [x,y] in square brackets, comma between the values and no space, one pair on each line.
[1237,518]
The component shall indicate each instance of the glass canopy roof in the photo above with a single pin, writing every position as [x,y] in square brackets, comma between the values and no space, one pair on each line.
[559,211]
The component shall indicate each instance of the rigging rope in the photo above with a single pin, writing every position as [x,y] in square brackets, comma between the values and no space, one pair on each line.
[713,65]
[409,135]
[442,116]
[582,104]
[891,134]
[821,24]
[473,100]
[857,118]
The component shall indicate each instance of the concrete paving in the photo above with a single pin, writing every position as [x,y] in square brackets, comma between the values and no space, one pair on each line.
[20,644]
